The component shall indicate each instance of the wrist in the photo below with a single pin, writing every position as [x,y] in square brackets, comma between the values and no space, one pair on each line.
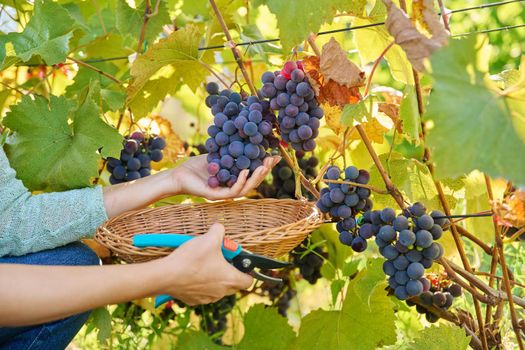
[165,275]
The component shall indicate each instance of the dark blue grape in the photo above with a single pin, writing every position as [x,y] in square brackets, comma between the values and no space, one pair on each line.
[255,116]
[401,262]
[425,222]
[359,244]
[132,175]
[388,215]
[303,89]
[156,155]
[227,161]
[251,151]
[400,223]
[157,143]
[346,238]
[134,164]
[415,270]
[349,224]
[229,128]
[223,175]
[220,119]
[390,253]
[351,173]
[389,269]
[387,233]
[366,231]
[250,129]
[401,277]
[414,287]
[333,173]
[119,172]
[407,238]
[423,239]
[401,293]
[212,88]
[243,162]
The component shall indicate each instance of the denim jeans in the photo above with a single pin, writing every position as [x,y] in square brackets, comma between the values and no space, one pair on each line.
[58,334]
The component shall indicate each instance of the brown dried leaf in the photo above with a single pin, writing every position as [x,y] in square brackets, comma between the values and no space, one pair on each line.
[328,91]
[416,45]
[511,211]
[337,67]
[392,111]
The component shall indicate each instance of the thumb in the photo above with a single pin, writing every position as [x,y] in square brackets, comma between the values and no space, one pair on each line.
[215,235]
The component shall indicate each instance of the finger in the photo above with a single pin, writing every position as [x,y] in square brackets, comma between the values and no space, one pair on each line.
[242,281]
[215,235]
[256,178]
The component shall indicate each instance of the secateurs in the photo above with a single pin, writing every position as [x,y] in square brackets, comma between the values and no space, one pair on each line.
[242,259]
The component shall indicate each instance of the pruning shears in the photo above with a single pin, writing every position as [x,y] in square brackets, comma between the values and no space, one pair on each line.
[242,259]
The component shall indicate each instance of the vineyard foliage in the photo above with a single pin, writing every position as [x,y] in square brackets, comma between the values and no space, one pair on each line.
[79,76]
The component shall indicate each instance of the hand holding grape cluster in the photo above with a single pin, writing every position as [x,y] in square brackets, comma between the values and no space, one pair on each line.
[243,126]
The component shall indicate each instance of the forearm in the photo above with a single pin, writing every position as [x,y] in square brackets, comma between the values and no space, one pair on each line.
[139,193]
[38,294]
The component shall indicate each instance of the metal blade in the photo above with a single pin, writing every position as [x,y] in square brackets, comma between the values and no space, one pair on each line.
[264,278]
[263,262]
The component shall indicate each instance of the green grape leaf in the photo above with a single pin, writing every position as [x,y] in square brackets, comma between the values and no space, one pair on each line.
[110,45]
[372,41]
[409,114]
[54,145]
[154,91]
[354,113]
[313,14]
[412,178]
[113,97]
[263,320]
[180,51]
[47,34]
[475,125]
[101,319]
[366,320]
[442,337]
[130,20]
[193,340]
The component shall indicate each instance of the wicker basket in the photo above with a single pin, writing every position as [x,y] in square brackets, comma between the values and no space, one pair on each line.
[269,227]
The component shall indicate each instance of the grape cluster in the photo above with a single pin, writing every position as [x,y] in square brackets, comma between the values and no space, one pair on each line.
[291,94]
[344,201]
[310,263]
[283,179]
[214,316]
[440,293]
[280,294]
[240,135]
[408,243]
[135,158]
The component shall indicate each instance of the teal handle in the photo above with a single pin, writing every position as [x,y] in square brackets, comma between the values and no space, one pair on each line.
[173,240]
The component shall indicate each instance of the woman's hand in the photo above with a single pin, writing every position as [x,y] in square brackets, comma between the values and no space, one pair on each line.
[192,178]
[197,273]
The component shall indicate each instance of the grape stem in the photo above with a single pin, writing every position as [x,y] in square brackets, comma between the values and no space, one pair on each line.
[99,71]
[487,274]
[233,47]
[371,188]
[472,279]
